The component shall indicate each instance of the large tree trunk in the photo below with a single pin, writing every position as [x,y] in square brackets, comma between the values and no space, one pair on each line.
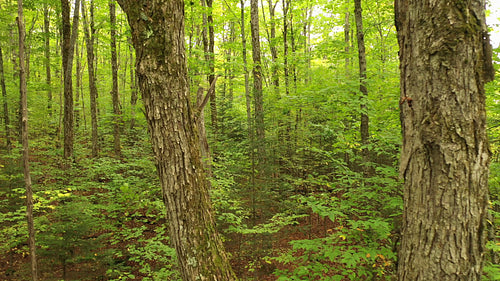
[114,91]
[24,136]
[363,128]
[444,63]
[89,39]
[158,37]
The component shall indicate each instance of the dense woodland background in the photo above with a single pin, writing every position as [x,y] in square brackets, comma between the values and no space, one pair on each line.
[301,193]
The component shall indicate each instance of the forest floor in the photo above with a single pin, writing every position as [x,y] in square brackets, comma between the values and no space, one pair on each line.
[15,265]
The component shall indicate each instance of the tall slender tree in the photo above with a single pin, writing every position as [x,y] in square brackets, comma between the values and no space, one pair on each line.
[158,37]
[89,30]
[133,90]
[211,64]
[24,136]
[273,46]
[114,90]
[445,59]
[364,124]
[70,33]
[286,70]
[48,76]
[6,118]
[257,82]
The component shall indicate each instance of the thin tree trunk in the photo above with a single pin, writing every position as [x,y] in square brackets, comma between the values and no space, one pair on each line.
[162,73]
[207,45]
[114,91]
[248,100]
[204,147]
[293,46]
[307,40]
[133,90]
[286,6]
[364,129]
[347,31]
[274,50]
[257,83]
[70,34]
[6,118]
[89,38]
[14,53]
[46,25]
[78,84]
[24,136]
[211,65]
[445,60]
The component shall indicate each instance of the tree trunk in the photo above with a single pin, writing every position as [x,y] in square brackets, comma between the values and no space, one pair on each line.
[133,90]
[89,38]
[6,119]
[24,137]
[274,50]
[257,84]
[445,60]
[286,71]
[78,84]
[158,37]
[68,47]
[114,91]
[364,129]
[347,31]
[207,38]
[200,118]
[211,65]
[248,101]
[48,78]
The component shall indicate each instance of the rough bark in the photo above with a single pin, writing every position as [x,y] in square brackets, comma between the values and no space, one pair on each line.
[24,137]
[6,118]
[114,91]
[445,154]
[89,39]
[364,124]
[158,37]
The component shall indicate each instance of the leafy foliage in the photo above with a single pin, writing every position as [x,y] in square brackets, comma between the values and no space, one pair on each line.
[313,214]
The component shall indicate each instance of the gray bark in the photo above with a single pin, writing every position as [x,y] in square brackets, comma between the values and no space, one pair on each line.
[158,37]
[445,154]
